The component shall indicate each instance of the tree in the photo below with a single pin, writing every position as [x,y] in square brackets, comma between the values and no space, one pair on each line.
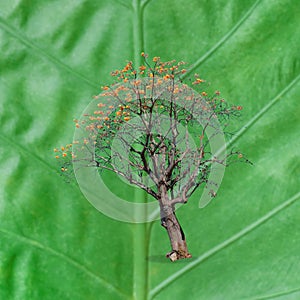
[158,134]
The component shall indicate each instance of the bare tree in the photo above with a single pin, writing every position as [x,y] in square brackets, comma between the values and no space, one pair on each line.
[156,132]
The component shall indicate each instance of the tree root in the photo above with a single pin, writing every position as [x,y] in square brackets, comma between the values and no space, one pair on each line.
[175,255]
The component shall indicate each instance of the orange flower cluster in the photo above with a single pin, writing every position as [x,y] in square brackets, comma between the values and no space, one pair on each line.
[237,107]
[126,73]
[64,151]
[198,80]
[166,70]
[128,87]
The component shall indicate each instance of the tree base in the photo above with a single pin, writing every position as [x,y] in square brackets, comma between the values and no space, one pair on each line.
[175,255]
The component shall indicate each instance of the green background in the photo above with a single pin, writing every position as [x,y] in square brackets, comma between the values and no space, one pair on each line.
[54,56]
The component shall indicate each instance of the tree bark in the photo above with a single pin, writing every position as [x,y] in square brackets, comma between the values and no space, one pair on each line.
[176,235]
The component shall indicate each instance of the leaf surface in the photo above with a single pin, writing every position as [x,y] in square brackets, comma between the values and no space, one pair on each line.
[54,245]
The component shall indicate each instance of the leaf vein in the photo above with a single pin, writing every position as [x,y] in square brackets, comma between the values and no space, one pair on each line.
[222,40]
[74,263]
[279,294]
[224,244]
[267,107]
[33,155]
[28,43]
[145,2]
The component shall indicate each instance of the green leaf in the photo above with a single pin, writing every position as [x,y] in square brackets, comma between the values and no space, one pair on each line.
[54,245]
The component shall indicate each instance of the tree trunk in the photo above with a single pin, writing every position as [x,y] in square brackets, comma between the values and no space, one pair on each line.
[175,232]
